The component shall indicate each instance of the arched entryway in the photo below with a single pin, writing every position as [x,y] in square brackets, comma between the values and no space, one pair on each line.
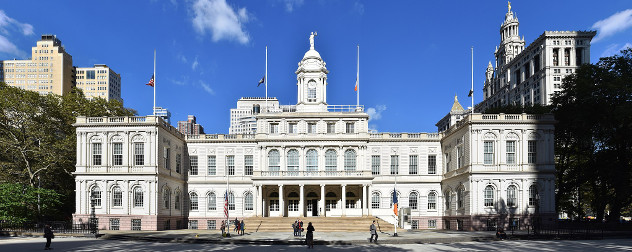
[311,204]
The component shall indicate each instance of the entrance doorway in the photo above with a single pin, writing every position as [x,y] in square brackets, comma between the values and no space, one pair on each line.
[311,204]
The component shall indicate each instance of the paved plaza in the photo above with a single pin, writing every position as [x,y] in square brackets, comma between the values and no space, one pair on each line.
[15,244]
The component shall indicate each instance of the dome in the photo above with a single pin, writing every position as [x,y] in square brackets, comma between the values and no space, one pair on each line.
[312,54]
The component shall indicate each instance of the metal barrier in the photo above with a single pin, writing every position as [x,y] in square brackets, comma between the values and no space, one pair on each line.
[38,227]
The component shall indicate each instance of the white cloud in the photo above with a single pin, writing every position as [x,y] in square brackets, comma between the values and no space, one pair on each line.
[376,113]
[358,7]
[291,4]
[182,58]
[618,22]
[195,63]
[207,88]
[8,24]
[7,47]
[614,49]
[221,20]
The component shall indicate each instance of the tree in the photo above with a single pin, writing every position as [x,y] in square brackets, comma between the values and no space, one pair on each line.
[20,203]
[38,141]
[594,137]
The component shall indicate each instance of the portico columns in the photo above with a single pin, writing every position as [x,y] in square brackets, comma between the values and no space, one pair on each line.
[281,201]
[259,201]
[344,199]
[321,205]
[301,202]
[364,199]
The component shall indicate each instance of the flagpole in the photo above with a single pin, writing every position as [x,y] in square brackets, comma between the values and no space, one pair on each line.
[227,205]
[154,109]
[472,112]
[358,79]
[266,79]
[395,195]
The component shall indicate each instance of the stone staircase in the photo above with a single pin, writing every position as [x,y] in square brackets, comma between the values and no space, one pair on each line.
[321,224]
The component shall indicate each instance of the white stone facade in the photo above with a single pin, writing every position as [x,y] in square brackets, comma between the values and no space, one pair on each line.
[314,160]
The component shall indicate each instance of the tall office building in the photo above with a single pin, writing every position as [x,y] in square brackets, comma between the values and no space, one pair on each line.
[164,113]
[48,71]
[243,118]
[190,126]
[531,75]
[99,81]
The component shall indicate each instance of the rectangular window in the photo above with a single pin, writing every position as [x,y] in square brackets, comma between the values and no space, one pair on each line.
[178,162]
[432,164]
[460,157]
[432,223]
[311,128]
[136,224]
[117,154]
[412,164]
[350,128]
[117,197]
[414,224]
[167,153]
[96,154]
[211,224]
[511,152]
[292,128]
[532,152]
[274,128]
[274,205]
[248,165]
[350,204]
[193,163]
[230,164]
[139,154]
[331,128]
[488,150]
[193,224]
[556,53]
[292,205]
[330,204]
[375,164]
[394,164]
[211,165]
[115,224]
[90,74]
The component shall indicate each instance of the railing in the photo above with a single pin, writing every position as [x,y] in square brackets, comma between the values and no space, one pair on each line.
[315,173]
[220,137]
[387,135]
[345,108]
[567,230]
[34,227]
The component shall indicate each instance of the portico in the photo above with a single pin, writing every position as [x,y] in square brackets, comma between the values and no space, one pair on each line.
[312,199]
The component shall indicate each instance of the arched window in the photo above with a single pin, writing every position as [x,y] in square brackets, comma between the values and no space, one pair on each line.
[166,197]
[292,162]
[311,91]
[231,201]
[432,201]
[95,196]
[375,200]
[248,206]
[412,200]
[459,197]
[511,196]
[350,160]
[311,195]
[312,160]
[488,195]
[117,196]
[211,201]
[177,200]
[138,196]
[193,198]
[331,162]
[274,159]
[533,195]
[448,200]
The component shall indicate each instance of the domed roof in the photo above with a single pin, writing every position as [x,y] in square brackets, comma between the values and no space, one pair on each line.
[312,54]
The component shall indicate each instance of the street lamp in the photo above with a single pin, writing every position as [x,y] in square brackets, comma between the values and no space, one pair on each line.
[92,223]
[536,224]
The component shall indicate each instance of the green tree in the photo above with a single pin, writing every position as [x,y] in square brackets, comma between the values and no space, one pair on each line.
[21,203]
[38,141]
[594,137]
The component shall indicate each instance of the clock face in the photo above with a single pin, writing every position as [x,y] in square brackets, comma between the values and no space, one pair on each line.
[311,84]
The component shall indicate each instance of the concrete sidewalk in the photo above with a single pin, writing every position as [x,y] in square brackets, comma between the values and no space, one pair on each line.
[320,238]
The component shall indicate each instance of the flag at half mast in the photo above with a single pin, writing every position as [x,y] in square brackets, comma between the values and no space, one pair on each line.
[395,201]
[263,79]
[151,81]
[226,205]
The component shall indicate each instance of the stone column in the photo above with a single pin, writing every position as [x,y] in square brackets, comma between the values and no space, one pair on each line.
[259,202]
[344,199]
[321,206]
[301,202]
[281,201]
[364,200]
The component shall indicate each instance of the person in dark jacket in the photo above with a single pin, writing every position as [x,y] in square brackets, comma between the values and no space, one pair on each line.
[309,238]
[373,232]
[48,234]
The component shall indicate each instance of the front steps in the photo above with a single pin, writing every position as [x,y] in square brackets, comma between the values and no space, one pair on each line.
[321,224]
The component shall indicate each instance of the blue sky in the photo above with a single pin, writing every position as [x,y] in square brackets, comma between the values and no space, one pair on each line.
[414,55]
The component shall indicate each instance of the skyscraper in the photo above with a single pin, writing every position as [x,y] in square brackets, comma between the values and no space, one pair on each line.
[99,81]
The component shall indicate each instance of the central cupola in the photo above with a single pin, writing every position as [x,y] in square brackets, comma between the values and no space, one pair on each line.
[311,77]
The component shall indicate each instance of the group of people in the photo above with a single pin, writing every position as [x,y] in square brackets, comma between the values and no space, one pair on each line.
[298,227]
[240,227]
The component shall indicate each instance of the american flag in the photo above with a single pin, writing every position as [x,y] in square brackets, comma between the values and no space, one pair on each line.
[226,204]
[151,81]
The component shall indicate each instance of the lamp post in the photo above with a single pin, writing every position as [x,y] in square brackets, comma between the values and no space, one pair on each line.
[92,223]
[536,224]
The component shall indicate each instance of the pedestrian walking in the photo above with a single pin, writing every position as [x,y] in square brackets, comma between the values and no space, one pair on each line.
[48,234]
[223,228]
[236,223]
[309,238]
[373,232]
